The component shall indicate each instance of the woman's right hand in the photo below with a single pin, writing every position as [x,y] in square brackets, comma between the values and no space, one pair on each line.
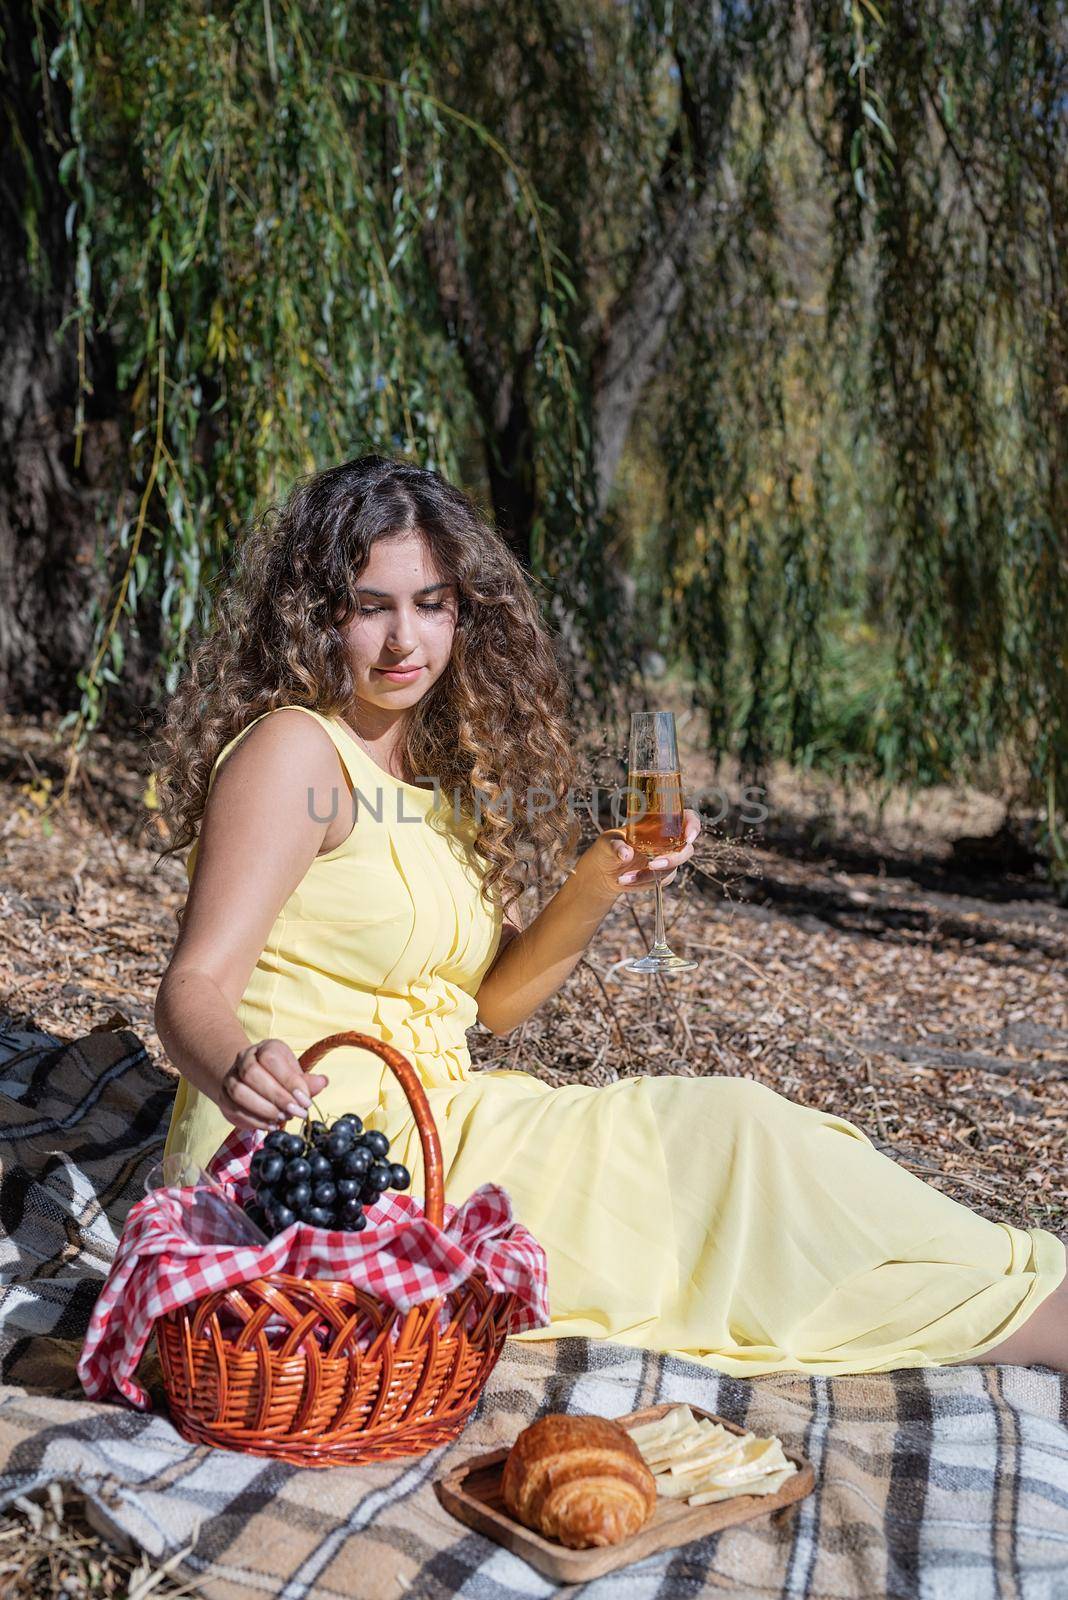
[266,1086]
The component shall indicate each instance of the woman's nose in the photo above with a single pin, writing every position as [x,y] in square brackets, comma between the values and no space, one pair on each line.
[401,636]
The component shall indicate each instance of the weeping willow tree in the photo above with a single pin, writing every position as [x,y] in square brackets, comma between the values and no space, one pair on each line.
[799,265]
[867,547]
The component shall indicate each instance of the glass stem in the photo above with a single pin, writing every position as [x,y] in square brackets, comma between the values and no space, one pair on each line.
[659,938]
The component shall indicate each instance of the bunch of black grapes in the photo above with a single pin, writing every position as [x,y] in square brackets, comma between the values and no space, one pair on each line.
[325,1176]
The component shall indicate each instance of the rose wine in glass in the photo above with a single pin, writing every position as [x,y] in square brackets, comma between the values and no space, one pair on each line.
[655,823]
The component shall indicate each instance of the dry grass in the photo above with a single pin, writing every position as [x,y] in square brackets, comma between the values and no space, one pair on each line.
[49,1547]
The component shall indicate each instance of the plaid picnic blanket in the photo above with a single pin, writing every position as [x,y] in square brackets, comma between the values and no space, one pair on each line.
[932,1482]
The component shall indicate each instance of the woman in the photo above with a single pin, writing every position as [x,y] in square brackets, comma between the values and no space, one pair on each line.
[379,635]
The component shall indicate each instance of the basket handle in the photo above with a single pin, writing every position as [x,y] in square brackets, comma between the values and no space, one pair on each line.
[405,1073]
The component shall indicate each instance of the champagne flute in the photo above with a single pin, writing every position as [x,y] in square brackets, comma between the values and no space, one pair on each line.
[655,824]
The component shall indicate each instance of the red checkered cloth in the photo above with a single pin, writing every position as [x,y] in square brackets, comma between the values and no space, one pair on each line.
[401,1258]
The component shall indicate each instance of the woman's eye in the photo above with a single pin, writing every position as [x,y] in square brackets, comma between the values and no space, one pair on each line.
[372,611]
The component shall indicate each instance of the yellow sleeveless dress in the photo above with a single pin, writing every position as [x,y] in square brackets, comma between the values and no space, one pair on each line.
[709,1217]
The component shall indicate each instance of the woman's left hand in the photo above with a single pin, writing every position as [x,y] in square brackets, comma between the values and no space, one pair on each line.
[612,866]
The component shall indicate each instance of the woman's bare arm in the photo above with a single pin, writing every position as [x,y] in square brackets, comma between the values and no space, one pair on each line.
[540,958]
[537,961]
[258,837]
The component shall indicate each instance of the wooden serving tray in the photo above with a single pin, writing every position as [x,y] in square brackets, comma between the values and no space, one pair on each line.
[472,1493]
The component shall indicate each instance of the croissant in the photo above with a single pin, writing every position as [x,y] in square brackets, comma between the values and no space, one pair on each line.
[580,1480]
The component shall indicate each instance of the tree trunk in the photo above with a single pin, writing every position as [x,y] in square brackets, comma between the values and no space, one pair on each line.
[635,338]
[497,379]
[510,468]
[49,505]
[631,341]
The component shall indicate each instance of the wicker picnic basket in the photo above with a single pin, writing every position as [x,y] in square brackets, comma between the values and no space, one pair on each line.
[411,1389]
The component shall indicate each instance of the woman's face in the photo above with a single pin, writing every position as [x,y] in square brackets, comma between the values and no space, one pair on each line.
[406,617]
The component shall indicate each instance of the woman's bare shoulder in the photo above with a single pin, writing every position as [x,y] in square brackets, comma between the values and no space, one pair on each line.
[289,746]
[264,823]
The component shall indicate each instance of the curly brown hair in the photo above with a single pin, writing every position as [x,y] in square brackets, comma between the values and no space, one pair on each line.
[494,724]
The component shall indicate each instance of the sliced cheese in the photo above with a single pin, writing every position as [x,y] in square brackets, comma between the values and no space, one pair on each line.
[709,1433]
[767,1483]
[760,1455]
[708,1454]
[713,1476]
[693,1440]
[678,1488]
[701,1461]
[647,1433]
[671,1449]
[753,1482]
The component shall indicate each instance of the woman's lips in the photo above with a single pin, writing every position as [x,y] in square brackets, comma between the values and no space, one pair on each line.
[399,674]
